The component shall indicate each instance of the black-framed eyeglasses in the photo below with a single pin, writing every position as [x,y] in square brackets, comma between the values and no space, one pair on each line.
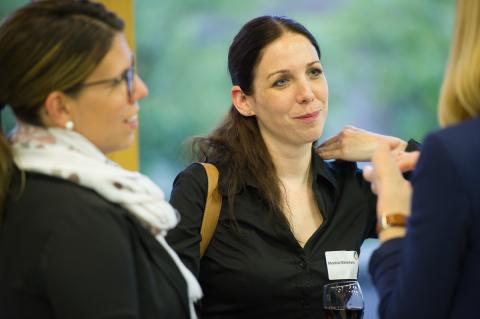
[128,76]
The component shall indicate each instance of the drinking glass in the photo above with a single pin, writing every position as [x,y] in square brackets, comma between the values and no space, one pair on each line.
[343,300]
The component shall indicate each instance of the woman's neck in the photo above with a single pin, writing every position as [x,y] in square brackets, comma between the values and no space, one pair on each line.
[292,162]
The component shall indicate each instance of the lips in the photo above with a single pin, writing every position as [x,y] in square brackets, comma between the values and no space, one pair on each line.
[132,121]
[308,116]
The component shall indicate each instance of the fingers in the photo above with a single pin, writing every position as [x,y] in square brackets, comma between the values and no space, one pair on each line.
[393,191]
[331,148]
[384,168]
[397,146]
[331,151]
[368,175]
[407,161]
[382,165]
[402,145]
[330,140]
[339,136]
[328,155]
[382,159]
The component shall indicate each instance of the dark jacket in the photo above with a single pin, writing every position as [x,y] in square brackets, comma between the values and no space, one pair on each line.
[66,252]
[434,272]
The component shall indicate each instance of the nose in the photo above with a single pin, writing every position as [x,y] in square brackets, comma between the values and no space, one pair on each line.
[140,89]
[305,93]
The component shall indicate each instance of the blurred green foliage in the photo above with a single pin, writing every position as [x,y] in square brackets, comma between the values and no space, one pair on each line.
[384,61]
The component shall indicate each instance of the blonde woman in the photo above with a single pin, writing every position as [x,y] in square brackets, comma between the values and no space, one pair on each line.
[430,269]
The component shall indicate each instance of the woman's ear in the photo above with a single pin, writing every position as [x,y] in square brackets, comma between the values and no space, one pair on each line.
[240,101]
[56,112]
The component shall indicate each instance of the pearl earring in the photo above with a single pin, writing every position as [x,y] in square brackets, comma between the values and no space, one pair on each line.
[69,126]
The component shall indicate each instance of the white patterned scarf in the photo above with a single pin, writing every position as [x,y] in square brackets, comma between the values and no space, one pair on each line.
[68,155]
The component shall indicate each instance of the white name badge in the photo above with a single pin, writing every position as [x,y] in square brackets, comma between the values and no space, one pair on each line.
[342,264]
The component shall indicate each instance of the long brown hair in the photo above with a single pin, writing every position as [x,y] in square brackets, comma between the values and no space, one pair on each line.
[46,46]
[236,145]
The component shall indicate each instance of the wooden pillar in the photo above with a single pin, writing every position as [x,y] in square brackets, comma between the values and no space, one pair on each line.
[128,158]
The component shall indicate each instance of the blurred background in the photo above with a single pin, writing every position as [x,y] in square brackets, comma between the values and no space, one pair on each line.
[383,60]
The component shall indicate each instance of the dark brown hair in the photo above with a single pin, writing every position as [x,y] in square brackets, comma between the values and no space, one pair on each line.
[236,145]
[46,46]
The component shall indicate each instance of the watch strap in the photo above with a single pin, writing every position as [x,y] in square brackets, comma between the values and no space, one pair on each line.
[392,220]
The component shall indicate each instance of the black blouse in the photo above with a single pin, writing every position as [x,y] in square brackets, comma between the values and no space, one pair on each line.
[66,252]
[260,270]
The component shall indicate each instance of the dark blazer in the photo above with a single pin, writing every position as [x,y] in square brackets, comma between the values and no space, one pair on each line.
[434,272]
[66,252]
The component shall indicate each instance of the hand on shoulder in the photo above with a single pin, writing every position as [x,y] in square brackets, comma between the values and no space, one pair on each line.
[355,144]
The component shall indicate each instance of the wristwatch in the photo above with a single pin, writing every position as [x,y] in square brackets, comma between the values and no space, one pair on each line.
[390,220]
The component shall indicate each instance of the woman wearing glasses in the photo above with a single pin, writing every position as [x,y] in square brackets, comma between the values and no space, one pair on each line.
[79,236]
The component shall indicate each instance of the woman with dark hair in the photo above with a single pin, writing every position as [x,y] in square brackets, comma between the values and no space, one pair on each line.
[289,221]
[80,237]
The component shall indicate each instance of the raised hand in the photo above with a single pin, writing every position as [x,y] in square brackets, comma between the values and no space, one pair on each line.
[393,191]
[354,144]
[407,161]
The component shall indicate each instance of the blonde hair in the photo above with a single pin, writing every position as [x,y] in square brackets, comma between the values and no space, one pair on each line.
[460,93]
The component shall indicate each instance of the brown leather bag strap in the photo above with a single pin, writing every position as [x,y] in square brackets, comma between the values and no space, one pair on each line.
[213,204]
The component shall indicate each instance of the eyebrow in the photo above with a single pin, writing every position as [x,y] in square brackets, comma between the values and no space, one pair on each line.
[132,61]
[132,64]
[286,71]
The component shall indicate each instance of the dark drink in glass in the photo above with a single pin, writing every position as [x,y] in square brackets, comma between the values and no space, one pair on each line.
[343,313]
[343,300]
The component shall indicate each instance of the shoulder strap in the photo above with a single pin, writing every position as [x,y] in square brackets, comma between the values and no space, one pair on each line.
[213,204]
